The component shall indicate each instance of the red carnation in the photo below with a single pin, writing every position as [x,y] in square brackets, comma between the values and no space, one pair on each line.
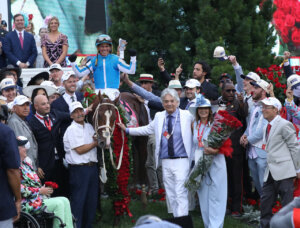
[289,21]
[296,12]
[296,37]
[270,77]
[276,80]
[283,86]
[278,85]
[51,184]
[279,73]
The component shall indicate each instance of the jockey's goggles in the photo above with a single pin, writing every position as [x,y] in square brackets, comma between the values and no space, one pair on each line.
[103,39]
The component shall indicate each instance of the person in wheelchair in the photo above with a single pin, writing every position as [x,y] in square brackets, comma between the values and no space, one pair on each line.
[35,197]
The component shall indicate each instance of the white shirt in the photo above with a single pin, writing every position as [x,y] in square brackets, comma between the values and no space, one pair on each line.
[68,98]
[75,136]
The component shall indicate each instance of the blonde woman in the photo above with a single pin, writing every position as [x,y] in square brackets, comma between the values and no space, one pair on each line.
[54,45]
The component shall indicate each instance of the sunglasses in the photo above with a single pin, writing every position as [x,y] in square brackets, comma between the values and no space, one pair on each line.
[230,90]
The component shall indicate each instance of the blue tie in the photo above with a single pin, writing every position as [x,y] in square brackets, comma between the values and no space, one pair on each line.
[170,140]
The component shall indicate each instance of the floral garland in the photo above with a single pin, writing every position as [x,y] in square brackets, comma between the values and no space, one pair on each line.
[118,180]
[275,75]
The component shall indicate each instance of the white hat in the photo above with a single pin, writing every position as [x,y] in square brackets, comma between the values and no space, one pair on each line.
[293,81]
[7,83]
[146,78]
[220,54]
[55,66]
[29,89]
[20,100]
[50,84]
[23,141]
[192,83]
[75,105]
[174,84]
[251,75]
[262,84]
[67,75]
[272,101]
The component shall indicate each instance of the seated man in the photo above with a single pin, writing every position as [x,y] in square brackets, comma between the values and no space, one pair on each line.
[35,197]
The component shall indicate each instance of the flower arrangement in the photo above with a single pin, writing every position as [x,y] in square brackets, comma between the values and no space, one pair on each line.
[275,75]
[89,96]
[224,124]
[51,184]
[286,20]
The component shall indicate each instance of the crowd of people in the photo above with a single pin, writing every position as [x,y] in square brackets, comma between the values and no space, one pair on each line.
[45,138]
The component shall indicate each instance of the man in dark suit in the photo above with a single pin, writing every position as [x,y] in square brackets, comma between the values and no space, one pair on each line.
[19,45]
[45,126]
[63,102]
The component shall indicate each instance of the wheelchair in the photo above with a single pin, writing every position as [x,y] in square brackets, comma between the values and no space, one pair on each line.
[41,220]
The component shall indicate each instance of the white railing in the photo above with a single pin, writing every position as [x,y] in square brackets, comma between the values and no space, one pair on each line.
[28,73]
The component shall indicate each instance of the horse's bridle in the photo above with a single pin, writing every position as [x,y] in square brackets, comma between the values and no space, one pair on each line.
[108,133]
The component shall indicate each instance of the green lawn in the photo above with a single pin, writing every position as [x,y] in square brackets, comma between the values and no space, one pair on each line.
[154,208]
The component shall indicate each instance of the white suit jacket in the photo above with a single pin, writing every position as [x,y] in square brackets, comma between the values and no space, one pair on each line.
[283,150]
[156,127]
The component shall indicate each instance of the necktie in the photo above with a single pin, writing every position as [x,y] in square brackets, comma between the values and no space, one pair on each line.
[47,122]
[72,98]
[21,39]
[268,131]
[189,104]
[170,140]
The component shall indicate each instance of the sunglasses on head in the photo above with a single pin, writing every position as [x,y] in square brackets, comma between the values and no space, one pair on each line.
[230,90]
[226,80]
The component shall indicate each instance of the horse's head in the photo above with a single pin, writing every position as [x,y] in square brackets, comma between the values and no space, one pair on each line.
[104,118]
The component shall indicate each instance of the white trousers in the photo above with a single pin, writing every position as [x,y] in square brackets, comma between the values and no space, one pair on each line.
[111,93]
[175,172]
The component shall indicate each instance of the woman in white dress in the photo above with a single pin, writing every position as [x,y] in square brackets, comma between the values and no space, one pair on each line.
[213,191]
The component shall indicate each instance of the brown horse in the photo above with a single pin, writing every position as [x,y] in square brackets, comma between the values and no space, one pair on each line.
[103,117]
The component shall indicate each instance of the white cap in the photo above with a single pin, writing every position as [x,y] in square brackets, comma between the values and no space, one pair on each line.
[7,83]
[293,81]
[50,84]
[55,66]
[251,75]
[67,75]
[20,100]
[174,84]
[272,101]
[75,105]
[220,54]
[262,84]
[192,83]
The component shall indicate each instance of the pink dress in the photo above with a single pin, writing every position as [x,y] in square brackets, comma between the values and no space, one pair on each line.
[54,50]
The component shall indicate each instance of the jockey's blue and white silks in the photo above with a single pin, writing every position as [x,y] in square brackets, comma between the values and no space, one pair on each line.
[107,71]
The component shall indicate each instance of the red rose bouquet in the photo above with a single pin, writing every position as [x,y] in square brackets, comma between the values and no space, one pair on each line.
[224,124]
[51,184]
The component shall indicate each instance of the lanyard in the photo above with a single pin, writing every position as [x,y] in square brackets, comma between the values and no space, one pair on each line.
[47,123]
[165,125]
[200,136]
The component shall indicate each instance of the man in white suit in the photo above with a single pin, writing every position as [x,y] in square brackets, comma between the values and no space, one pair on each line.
[283,158]
[173,135]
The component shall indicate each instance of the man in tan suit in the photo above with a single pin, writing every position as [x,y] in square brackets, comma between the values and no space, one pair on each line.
[283,158]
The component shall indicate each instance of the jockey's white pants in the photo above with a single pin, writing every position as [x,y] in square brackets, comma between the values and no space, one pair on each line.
[111,93]
[175,173]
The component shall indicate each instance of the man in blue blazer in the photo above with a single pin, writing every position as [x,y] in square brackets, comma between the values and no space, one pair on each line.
[253,136]
[63,102]
[19,45]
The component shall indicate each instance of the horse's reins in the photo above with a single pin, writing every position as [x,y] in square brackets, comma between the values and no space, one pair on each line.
[111,130]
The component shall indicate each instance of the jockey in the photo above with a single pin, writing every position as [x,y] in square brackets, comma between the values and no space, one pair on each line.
[106,67]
